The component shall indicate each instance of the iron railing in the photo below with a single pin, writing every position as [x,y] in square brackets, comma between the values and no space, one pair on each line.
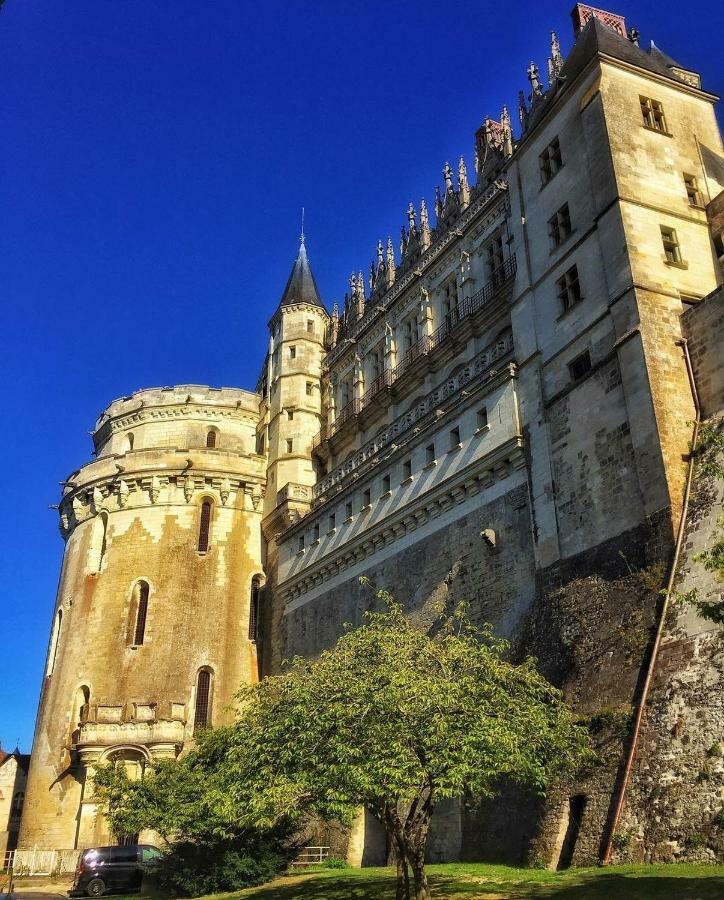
[467,307]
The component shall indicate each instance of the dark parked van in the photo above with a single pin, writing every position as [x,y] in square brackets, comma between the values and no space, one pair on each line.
[105,870]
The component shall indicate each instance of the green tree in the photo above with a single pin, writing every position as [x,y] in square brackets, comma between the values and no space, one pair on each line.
[393,719]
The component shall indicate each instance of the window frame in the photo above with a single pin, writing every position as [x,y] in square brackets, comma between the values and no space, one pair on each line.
[207,705]
[670,241]
[691,186]
[206,514]
[550,161]
[560,226]
[569,283]
[585,355]
[652,112]
[139,609]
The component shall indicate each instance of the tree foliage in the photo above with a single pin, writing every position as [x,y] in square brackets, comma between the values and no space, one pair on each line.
[392,719]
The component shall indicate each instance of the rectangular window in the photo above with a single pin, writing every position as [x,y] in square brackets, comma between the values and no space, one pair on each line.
[290,445]
[407,469]
[385,484]
[292,353]
[652,112]
[310,387]
[495,258]
[429,454]
[366,497]
[550,161]
[310,326]
[672,251]
[300,542]
[348,510]
[332,524]
[692,190]
[559,226]
[568,289]
[454,438]
[579,366]
[482,417]
[316,531]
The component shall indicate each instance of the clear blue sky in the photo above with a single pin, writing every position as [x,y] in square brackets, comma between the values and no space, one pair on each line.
[155,156]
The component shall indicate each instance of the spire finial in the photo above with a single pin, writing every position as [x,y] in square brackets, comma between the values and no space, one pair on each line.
[301,236]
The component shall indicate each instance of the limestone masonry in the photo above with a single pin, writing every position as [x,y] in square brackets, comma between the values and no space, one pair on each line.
[501,410]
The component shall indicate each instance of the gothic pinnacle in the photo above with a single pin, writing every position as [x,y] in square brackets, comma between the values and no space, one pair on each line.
[507,132]
[411,216]
[424,225]
[390,263]
[536,89]
[447,175]
[463,186]
[522,110]
[556,56]
[438,202]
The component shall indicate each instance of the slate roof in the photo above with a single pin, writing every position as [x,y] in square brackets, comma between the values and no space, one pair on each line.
[595,38]
[23,759]
[301,286]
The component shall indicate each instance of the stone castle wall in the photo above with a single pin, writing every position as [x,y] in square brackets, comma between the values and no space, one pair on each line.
[675,804]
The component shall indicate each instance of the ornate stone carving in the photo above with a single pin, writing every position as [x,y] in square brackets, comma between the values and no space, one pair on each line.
[189,488]
[123,492]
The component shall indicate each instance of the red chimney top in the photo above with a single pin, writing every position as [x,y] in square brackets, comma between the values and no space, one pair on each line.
[582,13]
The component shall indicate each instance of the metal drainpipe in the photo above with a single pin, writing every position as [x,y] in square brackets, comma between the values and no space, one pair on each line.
[606,855]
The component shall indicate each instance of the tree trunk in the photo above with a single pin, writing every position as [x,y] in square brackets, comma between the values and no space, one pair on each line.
[417,826]
[422,888]
[396,837]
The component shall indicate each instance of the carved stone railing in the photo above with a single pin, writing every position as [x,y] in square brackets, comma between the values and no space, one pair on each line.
[481,367]
[467,307]
[292,491]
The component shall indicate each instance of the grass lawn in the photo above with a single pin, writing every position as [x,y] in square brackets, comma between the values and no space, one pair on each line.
[469,880]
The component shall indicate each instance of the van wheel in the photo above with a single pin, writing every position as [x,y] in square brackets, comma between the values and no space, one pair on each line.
[96,887]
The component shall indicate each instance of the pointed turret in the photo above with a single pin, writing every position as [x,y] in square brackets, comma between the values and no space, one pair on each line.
[301,286]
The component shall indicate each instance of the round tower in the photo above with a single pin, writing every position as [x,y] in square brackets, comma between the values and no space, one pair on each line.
[154,627]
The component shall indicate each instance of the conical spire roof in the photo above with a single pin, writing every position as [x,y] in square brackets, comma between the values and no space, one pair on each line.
[301,286]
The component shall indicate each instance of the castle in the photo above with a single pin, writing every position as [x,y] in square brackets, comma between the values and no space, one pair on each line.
[500,411]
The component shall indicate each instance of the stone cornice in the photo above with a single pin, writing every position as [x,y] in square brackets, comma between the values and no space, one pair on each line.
[170,483]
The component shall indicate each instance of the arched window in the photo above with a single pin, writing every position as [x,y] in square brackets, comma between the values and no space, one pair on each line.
[254,608]
[211,438]
[129,440]
[205,526]
[78,715]
[202,711]
[54,641]
[139,612]
[98,542]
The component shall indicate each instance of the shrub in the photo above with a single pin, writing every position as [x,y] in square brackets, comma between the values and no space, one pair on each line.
[334,862]
[191,869]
